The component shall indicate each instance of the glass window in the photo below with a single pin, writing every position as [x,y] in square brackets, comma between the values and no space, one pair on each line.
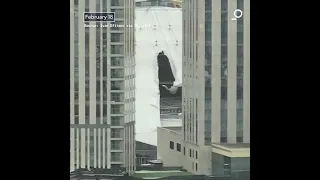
[117,85]
[224,93]
[116,156]
[224,5]
[208,5]
[117,73]
[117,61]
[76,110]
[117,49]
[115,145]
[223,139]
[117,2]
[239,37]
[117,121]
[116,133]
[116,97]
[171,145]
[178,147]
[224,52]
[117,37]
[116,109]
[98,110]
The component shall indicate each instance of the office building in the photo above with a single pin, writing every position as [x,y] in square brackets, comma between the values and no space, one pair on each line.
[215,136]
[102,87]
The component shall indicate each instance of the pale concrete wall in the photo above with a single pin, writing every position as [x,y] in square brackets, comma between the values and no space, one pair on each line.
[170,157]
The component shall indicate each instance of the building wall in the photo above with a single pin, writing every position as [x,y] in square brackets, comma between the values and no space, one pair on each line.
[216,54]
[240,164]
[192,157]
[101,88]
[216,57]
[170,157]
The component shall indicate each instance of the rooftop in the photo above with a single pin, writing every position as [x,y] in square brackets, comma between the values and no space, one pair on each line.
[233,146]
[176,129]
[159,174]
[232,150]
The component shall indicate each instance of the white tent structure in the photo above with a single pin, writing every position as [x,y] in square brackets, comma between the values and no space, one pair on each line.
[157,29]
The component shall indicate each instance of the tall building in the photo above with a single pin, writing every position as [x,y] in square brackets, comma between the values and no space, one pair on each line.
[215,136]
[102,87]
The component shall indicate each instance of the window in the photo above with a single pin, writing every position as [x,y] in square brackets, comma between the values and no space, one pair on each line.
[117,49]
[98,110]
[115,156]
[196,154]
[223,139]
[116,97]
[117,61]
[117,37]
[76,110]
[117,121]
[224,52]
[190,153]
[116,2]
[115,145]
[239,37]
[116,85]
[117,73]
[178,147]
[116,133]
[76,120]
[239,139]
[184,150]
[171,145]
[224,93]
[116,109]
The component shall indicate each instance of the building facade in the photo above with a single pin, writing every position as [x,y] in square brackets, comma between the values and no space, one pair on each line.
[102,87]
[216,74]
[216,88]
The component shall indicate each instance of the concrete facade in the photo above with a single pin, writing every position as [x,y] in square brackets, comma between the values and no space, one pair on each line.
[217,159]
[169,156]
[102,87]
[216,85]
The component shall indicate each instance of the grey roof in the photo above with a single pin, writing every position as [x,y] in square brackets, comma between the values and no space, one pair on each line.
[234,146]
